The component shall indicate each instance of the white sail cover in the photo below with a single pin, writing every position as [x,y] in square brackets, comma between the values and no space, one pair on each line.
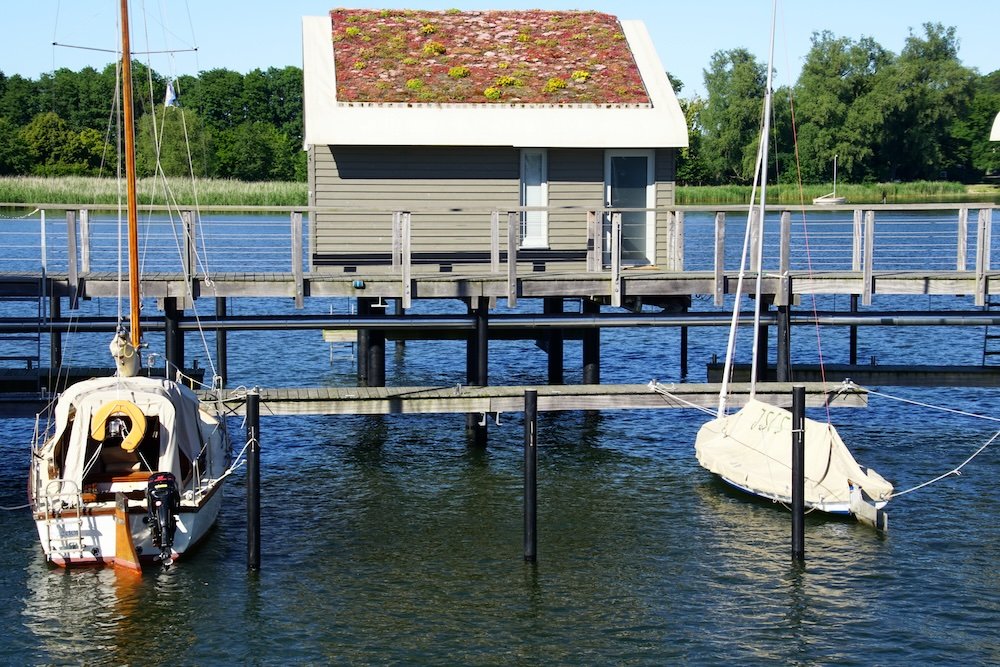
[752,449]
[176,406]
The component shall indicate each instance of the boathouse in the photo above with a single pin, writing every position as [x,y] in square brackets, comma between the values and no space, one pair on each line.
[473,122]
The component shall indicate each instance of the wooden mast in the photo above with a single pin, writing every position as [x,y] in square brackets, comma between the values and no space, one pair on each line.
[133,215]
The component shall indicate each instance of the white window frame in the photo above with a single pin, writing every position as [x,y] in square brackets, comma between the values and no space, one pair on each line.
[541,239]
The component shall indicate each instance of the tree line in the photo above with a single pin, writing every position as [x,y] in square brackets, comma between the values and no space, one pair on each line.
[222,123]
[917,115]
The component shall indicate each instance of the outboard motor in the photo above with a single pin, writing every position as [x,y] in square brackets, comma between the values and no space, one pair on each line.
[161,503]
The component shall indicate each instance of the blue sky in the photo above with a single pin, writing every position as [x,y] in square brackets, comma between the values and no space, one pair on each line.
[245,34]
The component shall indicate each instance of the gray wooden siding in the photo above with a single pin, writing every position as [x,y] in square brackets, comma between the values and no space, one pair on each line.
[664,174]
[451,192]
[576,183]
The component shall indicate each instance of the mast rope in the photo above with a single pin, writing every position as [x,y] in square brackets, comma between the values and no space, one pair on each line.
[956,471]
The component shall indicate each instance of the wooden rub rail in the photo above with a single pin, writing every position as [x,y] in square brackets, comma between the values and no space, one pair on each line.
[472,399]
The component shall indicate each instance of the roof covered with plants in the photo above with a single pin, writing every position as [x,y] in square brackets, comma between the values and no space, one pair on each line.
[483,57]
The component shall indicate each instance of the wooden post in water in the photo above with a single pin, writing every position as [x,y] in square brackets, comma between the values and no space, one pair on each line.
[530,476]
[591,346]
[174,337]
[364,310]
[55,337]
[798,474]
[253,480]
[854,332]
[221,349]
[784,361]
[684,352]
[477,366]
[554,341]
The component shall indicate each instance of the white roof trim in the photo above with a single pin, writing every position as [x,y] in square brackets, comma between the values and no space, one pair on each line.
[659,125]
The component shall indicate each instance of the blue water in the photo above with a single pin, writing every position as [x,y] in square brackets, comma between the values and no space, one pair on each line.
[388,540]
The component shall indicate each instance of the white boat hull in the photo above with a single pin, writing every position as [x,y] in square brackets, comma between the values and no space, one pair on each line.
[66,542]
[751,451]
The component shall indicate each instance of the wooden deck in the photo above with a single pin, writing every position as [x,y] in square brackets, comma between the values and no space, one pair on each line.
[500,399]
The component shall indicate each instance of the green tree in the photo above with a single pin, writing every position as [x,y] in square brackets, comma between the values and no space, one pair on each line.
[20,100]
[56,150]
[931,92]
[841,106]
[14,155]
[174,137]
[975,130]
[255,151]
[731,116]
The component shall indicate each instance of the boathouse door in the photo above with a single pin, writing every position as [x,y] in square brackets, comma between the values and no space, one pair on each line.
[628,184]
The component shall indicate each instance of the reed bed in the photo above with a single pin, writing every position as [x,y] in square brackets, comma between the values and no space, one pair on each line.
[868,193]
[31,190]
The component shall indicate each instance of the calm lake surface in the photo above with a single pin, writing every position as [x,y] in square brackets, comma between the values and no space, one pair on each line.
[391,541]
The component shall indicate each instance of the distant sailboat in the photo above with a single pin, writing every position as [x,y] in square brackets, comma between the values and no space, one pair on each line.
[126,469]
[831,198]
[751,448]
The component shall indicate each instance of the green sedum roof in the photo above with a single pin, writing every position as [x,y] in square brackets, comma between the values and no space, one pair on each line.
[505,57]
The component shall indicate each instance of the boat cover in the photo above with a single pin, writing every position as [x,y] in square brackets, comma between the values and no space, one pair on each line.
[752,448]
[176,406]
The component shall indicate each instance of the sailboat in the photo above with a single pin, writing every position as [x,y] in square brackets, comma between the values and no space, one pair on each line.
[831,199]
[128,469]
[751,449]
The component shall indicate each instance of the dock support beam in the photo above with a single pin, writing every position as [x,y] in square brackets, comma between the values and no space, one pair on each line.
[253,480]
[554,341]
[174,337]
[477,366]
[591,346]
[530,476]
[221,343]
[798,474]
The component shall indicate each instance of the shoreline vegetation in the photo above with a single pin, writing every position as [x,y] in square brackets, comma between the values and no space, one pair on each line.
[83,190]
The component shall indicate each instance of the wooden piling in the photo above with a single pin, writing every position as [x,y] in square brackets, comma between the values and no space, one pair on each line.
[221,347]
[554,341]
[798,474]
[591,346]
[253,480]
[530,476]
[174,337]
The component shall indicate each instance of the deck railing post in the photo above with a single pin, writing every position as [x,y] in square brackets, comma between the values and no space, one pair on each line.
[856,243]
[84,241]
[595,240]
[720,257]
[297,273]
[962,242]
[495,241]
[983,241]
[513,229]
[72,266]
[616,259]
[756,232]
[189,259]
[869,259]
[397,242]
[406,232]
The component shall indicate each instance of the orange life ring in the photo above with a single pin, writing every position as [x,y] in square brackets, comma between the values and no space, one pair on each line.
[99,422]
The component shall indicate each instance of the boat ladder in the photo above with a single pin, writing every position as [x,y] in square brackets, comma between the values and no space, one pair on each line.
[61,494]
[991,337]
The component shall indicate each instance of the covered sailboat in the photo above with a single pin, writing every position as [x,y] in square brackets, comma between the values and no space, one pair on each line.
[751,449]
[126,469]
